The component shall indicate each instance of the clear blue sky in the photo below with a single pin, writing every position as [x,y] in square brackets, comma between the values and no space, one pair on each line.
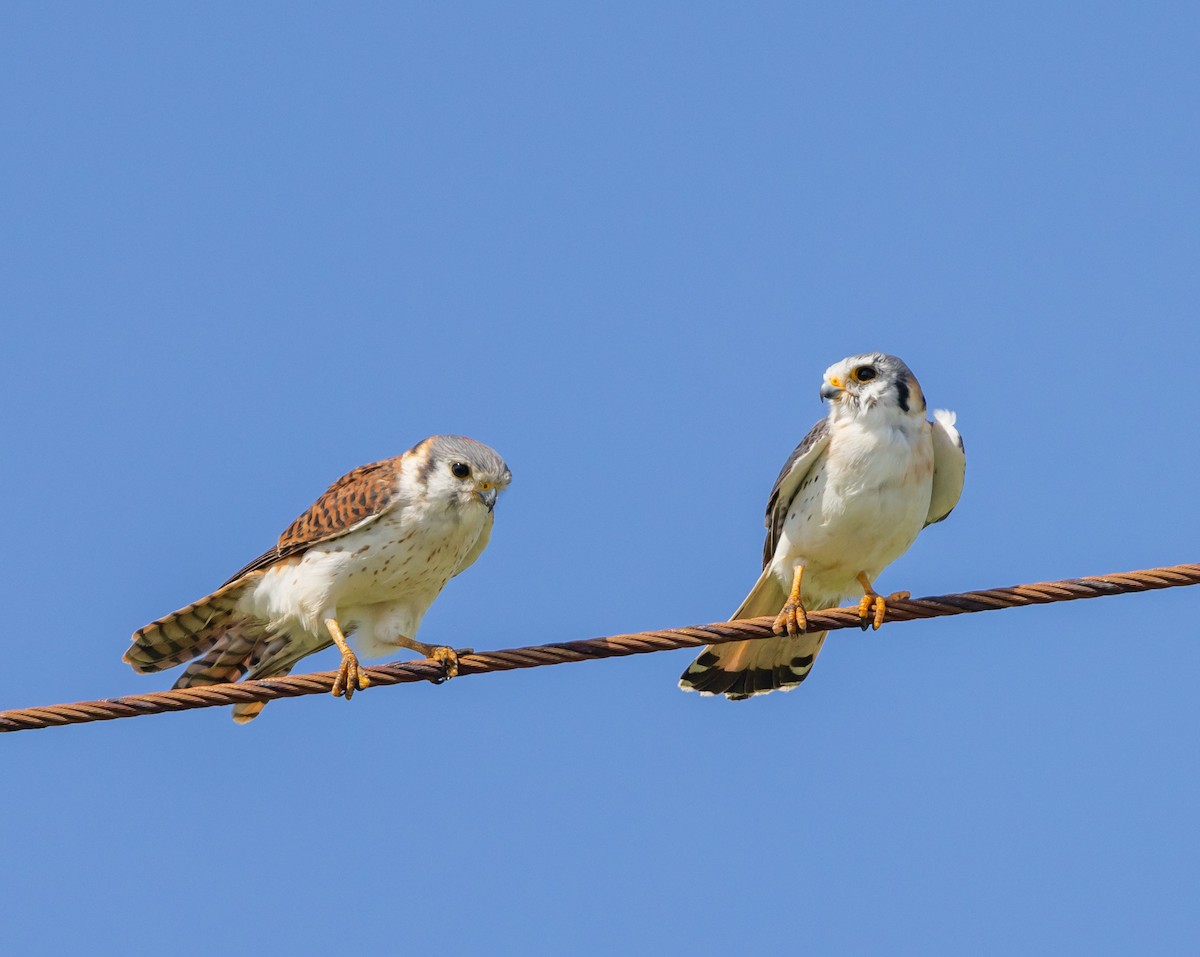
[248,247]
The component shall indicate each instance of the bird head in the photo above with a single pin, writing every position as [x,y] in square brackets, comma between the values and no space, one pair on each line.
[872,384]
[463,473]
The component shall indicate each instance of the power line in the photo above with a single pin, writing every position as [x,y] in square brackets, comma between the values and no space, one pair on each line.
[537,656]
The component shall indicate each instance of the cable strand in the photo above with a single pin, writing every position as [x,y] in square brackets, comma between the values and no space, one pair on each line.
[647,642]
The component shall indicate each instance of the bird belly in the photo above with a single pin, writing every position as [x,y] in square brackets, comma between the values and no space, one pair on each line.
[291,595]
[862,511]
[391,561]
[373,629]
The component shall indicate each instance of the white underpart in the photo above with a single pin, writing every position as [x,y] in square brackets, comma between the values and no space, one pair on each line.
[376,581]
[860,508]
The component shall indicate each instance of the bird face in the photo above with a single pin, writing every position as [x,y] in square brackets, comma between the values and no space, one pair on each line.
[464,474]
[874,381]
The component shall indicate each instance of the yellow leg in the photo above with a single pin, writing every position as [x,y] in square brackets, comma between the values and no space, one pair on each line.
[350,677]
[446,657]
[792,620]
[871,597]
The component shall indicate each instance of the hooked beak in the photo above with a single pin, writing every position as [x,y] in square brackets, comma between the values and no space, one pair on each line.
[487,496]
[831,389]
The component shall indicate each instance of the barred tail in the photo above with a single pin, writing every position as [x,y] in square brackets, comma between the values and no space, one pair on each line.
[225,642]
[247,649]
[188,633]
[248,711]
[742,669]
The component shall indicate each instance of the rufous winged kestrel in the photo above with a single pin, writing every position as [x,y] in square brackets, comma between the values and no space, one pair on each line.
[365,561]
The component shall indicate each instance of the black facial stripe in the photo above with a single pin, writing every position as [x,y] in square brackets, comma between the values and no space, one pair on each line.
[425,467]
[902,394]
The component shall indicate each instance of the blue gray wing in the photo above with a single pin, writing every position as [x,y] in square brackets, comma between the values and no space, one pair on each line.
[949,466]
[791,476]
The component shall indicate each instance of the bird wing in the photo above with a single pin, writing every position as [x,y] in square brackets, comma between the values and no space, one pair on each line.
[794,471]
[949,466]
[356,499]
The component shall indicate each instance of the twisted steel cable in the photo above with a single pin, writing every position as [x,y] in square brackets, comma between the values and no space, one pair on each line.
[536,656]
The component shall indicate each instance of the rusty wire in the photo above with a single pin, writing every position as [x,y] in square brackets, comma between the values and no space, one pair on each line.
[401,672]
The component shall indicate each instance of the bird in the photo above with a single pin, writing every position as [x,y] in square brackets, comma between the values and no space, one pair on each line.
[851,499]
[365,561]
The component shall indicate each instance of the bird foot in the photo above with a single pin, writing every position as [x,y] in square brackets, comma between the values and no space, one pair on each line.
[792,620]
[869,620]
[448,659]
[350,677]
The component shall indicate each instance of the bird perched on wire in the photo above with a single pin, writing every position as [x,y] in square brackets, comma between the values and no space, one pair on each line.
[849,501]
[366,560]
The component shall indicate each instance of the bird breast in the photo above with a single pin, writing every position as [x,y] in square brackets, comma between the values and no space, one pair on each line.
[404,557]
[394,558]
[860,509]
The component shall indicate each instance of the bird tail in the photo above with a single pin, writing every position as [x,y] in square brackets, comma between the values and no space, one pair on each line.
[249,710]
[252,651]
[188,633]
[225,642]
[742,669]
[272,658]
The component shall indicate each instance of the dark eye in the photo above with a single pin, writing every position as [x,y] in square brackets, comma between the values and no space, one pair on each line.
[461,470]
[864,373]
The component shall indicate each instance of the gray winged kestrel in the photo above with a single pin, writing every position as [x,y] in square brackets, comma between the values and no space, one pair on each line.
[850,500]
[365,561]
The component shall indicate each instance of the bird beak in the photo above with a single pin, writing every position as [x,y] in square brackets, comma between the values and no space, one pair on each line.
[487,496]
[832,389]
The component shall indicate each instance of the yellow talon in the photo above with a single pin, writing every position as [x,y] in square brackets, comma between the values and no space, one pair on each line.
[350,676]
[872,598]
[793,620]
[447,658]
[864,610]
[881,604]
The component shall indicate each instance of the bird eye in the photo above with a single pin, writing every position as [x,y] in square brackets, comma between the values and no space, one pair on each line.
[864,373]
[461,470]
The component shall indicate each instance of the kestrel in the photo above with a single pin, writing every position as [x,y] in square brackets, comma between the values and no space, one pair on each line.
[365,561]
[850,500]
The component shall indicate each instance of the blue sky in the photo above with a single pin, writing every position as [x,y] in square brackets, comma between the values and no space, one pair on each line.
[248,247]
